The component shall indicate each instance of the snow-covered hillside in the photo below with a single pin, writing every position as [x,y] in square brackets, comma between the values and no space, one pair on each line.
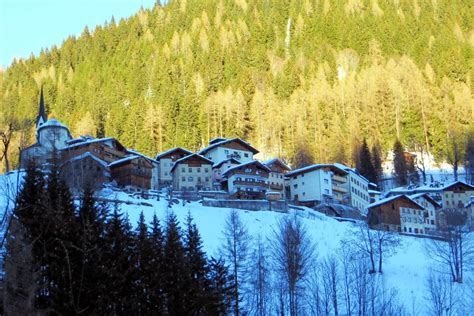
[406,270]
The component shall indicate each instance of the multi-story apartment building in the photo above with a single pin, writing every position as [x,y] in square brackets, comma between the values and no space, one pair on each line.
[311,184]
[397,213]
[246,181]
[276,179]
[357,188]
[219,168]
[456,195]
[220,149]
[431,209]
[166,160]
[192,173]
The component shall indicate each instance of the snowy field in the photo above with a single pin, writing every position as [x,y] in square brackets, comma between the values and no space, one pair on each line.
[405,271]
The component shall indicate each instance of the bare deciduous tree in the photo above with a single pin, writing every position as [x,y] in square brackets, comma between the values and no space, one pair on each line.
[293,252]
[236,250]
[440,296]
[259,280]
[454,250]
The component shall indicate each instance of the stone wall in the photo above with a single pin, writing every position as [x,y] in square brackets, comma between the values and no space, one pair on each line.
[251,205]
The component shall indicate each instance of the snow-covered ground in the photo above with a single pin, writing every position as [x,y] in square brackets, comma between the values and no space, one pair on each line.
[405,271]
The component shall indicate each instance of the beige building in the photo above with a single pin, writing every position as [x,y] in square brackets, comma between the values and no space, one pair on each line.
[276,178]
[192,173]
[166,160]
[456,195]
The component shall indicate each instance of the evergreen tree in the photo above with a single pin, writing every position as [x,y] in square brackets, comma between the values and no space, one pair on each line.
[90,272]
[155,266]
[222,288]
[377,164]
[364,163]
[174,269]
[196,263]
[400,168]
[469,157]
[117,296]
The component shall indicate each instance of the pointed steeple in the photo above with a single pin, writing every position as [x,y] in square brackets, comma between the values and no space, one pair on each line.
[42,117]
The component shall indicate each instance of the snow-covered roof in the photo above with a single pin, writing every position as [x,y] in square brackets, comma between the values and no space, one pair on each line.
[374,192]
[85,155]
[276,160]
[87,141]
[258,163]
[231,160]
[133,152]
[225,141]
[353,170]
[123,160]
[190,156]
[392,198]
[52,123]
[315,167]
[426,196]
[169,151]
[449,185]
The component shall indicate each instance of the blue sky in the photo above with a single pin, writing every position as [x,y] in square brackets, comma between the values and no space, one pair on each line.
[26,26]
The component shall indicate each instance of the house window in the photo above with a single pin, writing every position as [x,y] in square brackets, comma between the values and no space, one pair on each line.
[183,169]
[326,181]
[166,173]
[246,155]
[206,170]
[304,193]
[190,170]
[295,186]
[226,152]
[207,179]
[326,191]
[183,179]
[199,179]
[199,170]
[190,179]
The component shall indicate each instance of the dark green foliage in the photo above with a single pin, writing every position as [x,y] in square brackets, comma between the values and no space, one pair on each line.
[377,164]
[400,168]
[160,78]
[365,163]
[469,157]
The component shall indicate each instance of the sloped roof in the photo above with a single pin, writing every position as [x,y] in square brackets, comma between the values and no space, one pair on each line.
[450,185]
[52,123]
[88,141]
[126,160]
[188,157]
[169,151]
[133,152]
[315,167]
[226,160]
[393,198]
[426,196]
[277,161]
[226,141]
[85,155]
[256,162]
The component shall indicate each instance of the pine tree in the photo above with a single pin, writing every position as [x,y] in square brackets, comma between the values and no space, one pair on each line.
[364,163]
[196,263]
[399,164]
[222,288]
[155,266]
[377,164]
[90,272]
[174,269]
[469,157]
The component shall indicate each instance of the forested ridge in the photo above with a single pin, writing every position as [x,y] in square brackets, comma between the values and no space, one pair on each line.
[310,77]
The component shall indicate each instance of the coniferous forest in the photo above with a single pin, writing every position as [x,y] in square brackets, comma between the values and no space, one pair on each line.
[307,79]
[67,258]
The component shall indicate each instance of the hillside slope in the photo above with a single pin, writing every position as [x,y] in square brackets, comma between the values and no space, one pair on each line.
[296,78]
[406,271]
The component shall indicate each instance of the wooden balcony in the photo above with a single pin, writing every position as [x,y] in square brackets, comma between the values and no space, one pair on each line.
[250,183]
[339,179]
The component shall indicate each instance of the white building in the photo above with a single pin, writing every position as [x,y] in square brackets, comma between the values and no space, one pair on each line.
[311,184]
[456,195]
[220,149]
[430,215]
[247,180]
[192,173]
[276,179]
[166,160]
[219,168]
[358,188]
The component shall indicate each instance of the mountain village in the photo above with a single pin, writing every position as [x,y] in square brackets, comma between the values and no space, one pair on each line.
[227,171]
